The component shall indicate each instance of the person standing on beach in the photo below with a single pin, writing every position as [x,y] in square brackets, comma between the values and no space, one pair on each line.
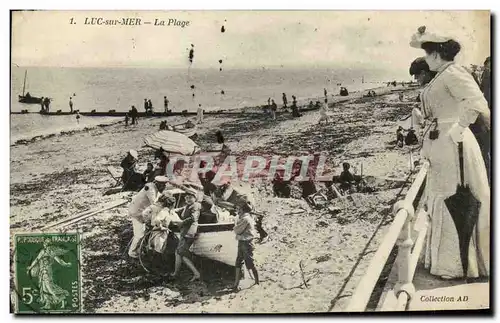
[295,109]
[70,105]
[244,231]
[146,197]
[274,107]
[78,117]
[285,101]
[199,115]
[42,102]
[189,229]
[133,115]
[126,119]
[323,112]
[150,106]
[146,105]
[46,103]
[128,164]
[326,93]
[453,99]
[165,103]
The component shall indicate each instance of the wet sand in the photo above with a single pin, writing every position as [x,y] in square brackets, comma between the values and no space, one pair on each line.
[56,177]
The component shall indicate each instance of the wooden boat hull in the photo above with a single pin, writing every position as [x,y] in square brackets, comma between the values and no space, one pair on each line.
[216,241]
[219,245]
[29,99]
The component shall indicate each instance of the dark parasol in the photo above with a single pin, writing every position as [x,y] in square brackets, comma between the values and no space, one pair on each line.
[464,210]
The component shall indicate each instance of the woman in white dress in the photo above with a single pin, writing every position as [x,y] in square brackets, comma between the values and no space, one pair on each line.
[323,112]
[455,100]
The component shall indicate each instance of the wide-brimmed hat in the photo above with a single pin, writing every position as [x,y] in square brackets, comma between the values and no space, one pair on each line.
[423,36]
[133,153]
[161,179]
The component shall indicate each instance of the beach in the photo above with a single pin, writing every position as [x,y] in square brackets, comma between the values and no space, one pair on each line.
[59,175]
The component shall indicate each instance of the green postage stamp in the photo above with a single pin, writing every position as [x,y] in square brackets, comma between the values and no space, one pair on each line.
[47,273]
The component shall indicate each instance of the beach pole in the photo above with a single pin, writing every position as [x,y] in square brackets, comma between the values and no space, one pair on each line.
[83,215]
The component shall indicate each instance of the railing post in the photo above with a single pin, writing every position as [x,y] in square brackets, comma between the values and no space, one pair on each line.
[405,244]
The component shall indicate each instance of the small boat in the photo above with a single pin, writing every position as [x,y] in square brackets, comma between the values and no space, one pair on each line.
[28,99]
[215,241]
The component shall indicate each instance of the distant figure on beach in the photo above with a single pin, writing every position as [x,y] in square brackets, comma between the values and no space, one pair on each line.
[146,105]
[285,101]
[163,125]
[323,112]
[326,93]
[46,103]
[126,119]
[77,116]
[400,138]
[281,187]
[295,110]
[150,106]
[346,178]
[274,107]
[165,103]
[294,99]
[370,94]
[411,138]
[128,164]
[42,104]
[134,115]
[199,115]
[70,105]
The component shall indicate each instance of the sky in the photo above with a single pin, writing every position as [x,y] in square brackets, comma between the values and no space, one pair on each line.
[252,39]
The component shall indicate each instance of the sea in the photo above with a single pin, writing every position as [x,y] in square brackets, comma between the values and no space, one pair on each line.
[104,89]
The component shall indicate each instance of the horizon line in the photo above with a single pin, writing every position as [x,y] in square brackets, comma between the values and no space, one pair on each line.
[354,66]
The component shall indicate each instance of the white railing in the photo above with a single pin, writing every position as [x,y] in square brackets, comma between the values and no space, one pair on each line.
[400,232]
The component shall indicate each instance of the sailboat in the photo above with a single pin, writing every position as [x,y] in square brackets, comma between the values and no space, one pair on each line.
[28,99]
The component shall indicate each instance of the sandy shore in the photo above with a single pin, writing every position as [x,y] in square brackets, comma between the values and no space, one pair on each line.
[56,177]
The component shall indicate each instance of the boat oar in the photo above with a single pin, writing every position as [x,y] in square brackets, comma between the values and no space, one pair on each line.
[83,215]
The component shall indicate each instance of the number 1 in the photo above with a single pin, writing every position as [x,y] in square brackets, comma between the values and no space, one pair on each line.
[71,22]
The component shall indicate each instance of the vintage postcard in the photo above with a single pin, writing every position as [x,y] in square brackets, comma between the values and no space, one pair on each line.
[249,161]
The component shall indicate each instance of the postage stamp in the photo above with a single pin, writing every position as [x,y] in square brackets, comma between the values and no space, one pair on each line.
[47,273]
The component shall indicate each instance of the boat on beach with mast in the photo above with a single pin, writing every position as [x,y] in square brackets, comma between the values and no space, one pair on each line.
[28,99]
